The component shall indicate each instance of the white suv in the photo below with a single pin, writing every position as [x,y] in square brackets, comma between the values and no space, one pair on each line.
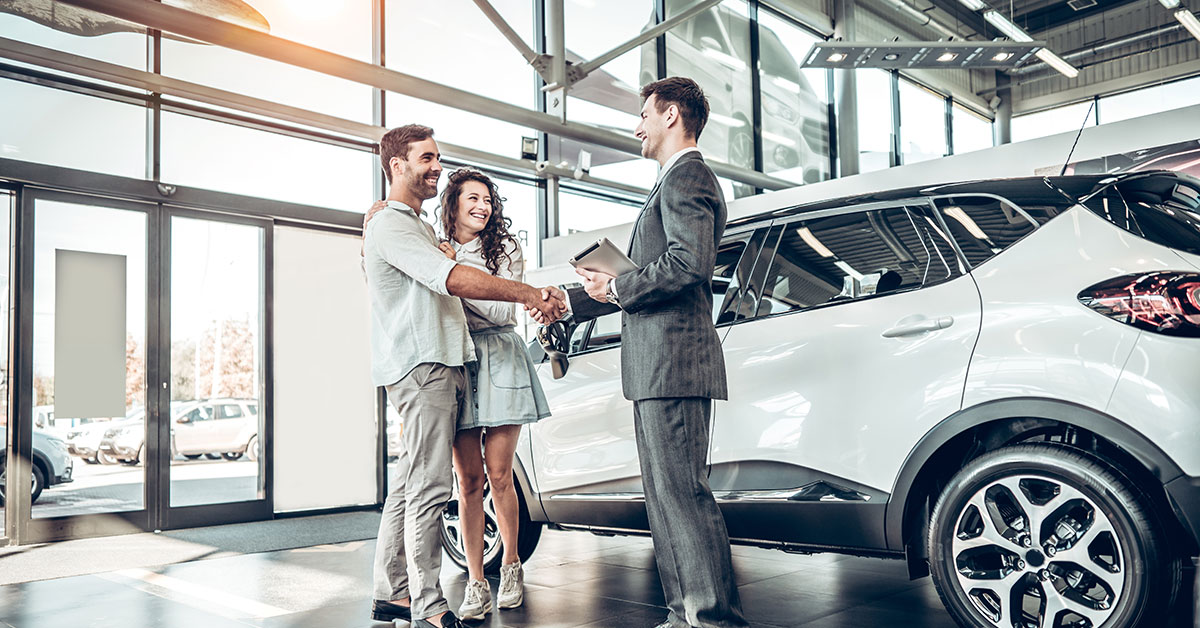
[994,380]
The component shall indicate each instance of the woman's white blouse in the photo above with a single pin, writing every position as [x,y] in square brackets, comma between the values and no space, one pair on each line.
[485,314]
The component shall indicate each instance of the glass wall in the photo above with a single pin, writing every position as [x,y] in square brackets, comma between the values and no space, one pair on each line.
[123,43]
[874,119]
[579,211]
[1066,119]
[8,206]
[1144,102]
[971,131]
[713,48]
[795,104]
[922,124]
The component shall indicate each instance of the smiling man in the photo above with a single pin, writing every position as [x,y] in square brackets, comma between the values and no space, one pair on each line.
[419,346]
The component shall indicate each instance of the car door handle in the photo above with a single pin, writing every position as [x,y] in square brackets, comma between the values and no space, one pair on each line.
[921,326]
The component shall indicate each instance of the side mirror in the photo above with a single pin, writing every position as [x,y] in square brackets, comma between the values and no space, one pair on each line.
[183,419]
[555,340]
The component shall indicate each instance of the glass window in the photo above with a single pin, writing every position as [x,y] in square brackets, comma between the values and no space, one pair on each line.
[581,212]
[340,27]
[200,153]
[744,282]
[971,131]
[1066,119]
[1144,102]
[1163,210]
[984,226]
[457,127]
[922,124]
[853,256]
[795,115]
[874,119]
[7,206]
[231,411]
[63,27]
[50,126]
[713,49]
[606,331]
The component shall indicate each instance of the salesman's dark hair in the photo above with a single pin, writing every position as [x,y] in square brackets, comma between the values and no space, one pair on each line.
[685,94]
[395,143]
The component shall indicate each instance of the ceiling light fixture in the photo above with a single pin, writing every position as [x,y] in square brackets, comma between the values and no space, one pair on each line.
[1016,33]
[947,57]
[903,55]
[1169,4]
[1057,62]
[837,57]
[1002,56]
[974,5]
[1189,22]
[891,56]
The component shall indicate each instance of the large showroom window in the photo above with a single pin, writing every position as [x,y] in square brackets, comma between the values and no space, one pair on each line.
[7,205]
[971,131]
[581,211]
[125,45]
[51,126]
[713,48]
[340,27]
[922,123]
[795,106]
[228,158]
[1150,100]
[1066,119]
[874,119]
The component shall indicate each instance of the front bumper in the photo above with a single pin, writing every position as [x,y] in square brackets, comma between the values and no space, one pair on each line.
[1184,493]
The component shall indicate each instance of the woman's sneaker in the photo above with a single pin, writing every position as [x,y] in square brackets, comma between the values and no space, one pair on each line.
[512,585]
[477,600]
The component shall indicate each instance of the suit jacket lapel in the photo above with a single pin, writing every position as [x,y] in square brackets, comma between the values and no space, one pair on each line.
[653,191]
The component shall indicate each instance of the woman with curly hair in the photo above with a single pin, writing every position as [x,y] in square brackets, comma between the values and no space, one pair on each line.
[506,389]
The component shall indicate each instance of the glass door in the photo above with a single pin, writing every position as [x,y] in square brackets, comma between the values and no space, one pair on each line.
[216,363]
[86,278]
[7,207]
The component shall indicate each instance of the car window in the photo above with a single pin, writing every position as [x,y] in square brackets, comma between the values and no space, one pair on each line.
[579,337]
[743,277]
[855,256]
[1163,209]
[706,32]
[606,331]
[253,409]
[200,413]
[984,226]
[231,411]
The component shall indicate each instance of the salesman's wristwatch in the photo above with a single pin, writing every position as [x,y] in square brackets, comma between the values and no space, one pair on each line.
[610,295]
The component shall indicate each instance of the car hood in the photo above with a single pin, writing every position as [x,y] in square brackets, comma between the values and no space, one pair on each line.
[1194,260]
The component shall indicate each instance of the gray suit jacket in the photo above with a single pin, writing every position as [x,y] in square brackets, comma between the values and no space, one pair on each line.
[669,347]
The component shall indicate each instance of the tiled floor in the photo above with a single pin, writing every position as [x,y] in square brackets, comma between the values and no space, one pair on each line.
[573,580]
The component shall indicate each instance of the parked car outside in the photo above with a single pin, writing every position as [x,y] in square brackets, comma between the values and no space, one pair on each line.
[212,427]
[52,464]
[994,381]
[85,440]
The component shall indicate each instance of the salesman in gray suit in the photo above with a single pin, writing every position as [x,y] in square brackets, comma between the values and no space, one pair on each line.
[671,361]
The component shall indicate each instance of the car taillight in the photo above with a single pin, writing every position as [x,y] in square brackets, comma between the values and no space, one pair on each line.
[1162,302]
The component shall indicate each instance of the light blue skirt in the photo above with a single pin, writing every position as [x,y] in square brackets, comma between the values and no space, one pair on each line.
[504,384]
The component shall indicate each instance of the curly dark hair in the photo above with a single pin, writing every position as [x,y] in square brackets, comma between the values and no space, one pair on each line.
[495,233]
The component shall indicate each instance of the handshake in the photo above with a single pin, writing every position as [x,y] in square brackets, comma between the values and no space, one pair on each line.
[546,305]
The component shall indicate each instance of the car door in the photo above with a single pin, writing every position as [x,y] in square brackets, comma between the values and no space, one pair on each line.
[228,427]
[585,452]
[194,434]
[858,344]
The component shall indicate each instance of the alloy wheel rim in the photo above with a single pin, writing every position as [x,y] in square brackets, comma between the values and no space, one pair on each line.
[1031,551]
[452,529]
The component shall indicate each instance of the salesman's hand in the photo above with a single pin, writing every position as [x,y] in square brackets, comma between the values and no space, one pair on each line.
[375,207]
[546,305]
[595,283]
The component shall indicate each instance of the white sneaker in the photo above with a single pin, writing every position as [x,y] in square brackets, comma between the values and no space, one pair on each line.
[477,600]
[512,585]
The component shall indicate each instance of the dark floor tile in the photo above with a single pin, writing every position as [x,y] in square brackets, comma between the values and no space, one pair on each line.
[639,586]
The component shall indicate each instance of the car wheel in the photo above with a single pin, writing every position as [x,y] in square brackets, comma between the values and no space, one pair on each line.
[192,456]
[252,451]
[38,483]
[1048,536]
[89,460]
[106,458]
[213,456]
[232,455]
[493,548]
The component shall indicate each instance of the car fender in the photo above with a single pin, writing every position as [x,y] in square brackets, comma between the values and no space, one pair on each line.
[1095,421]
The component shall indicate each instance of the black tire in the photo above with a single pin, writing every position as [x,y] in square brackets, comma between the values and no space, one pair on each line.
[528,534]
[106,458]
[39,482]
[213,456]
[1079,539]
[232,455]
[90,461]
[252,449]
[192,456]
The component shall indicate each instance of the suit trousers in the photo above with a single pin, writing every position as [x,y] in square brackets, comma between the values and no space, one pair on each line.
[691,543]
[408,551]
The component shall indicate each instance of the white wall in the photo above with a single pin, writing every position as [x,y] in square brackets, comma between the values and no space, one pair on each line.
[1021,159]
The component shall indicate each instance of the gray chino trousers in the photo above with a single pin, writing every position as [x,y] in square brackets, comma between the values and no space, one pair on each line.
[691,543]
[408,551]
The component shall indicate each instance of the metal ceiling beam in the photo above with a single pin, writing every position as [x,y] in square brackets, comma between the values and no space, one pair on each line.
[156,15]
[151,82]
[511,35]
[696,9]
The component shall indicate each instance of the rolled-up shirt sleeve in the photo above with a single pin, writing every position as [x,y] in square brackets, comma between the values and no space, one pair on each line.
[401,244]
[512,266]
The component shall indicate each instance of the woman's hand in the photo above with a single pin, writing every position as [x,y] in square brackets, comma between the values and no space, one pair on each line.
[445,247]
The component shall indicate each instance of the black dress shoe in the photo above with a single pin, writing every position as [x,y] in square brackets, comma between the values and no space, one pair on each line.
[383,610]
[448,621]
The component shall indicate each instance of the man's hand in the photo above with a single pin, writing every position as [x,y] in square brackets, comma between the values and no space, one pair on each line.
[447,249]
[595,283]
[549,293]
[546,305]
[375,207]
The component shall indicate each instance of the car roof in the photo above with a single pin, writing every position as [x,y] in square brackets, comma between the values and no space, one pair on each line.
[1022,190]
